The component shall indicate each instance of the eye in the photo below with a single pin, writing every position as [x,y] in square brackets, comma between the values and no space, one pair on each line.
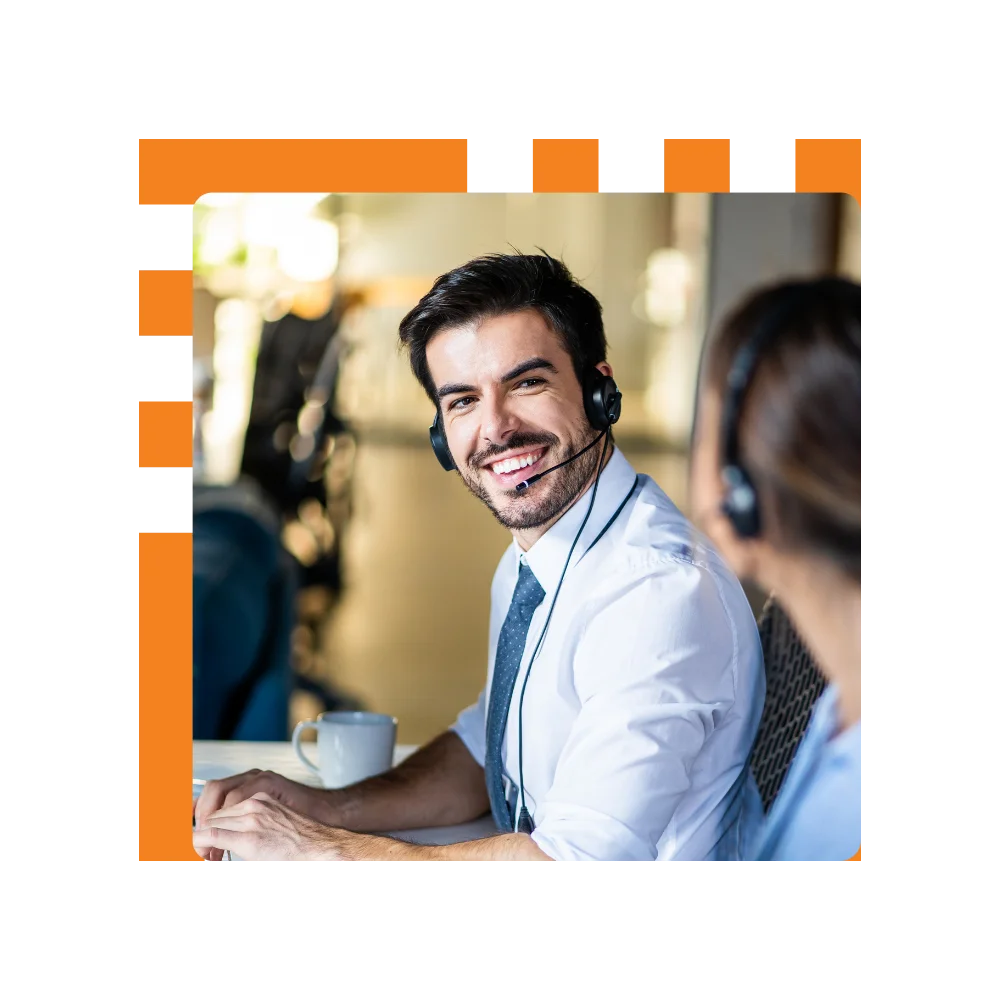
[530,383]
[461,404]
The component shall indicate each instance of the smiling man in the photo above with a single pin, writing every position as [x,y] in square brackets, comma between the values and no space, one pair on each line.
[624,683]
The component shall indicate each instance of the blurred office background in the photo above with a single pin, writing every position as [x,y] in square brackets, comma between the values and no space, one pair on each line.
[298,380]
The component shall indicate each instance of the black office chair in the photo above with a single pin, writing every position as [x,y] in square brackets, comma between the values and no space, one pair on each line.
[794,682]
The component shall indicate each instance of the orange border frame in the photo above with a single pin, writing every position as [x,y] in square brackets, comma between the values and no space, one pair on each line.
[178,172]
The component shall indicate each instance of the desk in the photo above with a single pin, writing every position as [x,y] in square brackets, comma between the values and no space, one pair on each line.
[220,758]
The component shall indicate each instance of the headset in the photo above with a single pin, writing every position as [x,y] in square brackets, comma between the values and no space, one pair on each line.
[739,503]
[602,402]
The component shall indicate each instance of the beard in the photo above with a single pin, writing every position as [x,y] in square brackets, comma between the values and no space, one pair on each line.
[543,501]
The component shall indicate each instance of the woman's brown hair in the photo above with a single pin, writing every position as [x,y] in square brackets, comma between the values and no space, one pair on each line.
[799,427]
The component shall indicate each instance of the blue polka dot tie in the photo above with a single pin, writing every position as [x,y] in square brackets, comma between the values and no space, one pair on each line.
[528,595]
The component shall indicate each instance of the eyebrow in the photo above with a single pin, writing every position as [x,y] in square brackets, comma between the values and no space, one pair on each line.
[527,366]
[532,364]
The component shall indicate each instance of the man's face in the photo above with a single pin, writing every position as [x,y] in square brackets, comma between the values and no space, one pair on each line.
[511,407]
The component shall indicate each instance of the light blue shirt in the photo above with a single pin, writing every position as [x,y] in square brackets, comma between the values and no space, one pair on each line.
[817,814]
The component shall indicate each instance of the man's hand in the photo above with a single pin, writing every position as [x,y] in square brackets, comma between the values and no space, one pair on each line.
[262,829]
[313,803]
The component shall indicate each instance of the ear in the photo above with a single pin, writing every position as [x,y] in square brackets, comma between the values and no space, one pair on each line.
[605,369]
[746,557]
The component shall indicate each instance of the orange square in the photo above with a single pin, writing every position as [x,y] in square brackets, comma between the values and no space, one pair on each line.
[696,165]
[828,166]
[165,303]
[565,165]
[166,436]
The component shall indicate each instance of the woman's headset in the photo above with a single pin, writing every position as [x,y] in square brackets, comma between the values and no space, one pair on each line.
[740,504]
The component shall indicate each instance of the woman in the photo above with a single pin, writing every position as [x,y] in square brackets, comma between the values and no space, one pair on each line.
[776,482]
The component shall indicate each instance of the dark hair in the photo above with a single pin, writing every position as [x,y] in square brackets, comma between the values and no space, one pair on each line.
[495,285]
[799,432]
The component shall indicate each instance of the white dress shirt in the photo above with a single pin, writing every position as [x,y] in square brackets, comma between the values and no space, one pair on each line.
[644,699]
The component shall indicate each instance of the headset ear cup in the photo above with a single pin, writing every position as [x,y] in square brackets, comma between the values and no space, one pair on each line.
[602,402]
[593,400]
[440,444]
[744,522]
[740,502]
[613,406]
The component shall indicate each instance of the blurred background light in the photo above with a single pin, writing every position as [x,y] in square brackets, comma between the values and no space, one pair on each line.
[308,249]
[669,284]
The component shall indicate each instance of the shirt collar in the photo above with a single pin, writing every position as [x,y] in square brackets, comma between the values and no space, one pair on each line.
[547,556]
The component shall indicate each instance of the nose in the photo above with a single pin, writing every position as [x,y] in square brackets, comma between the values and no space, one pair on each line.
[498,420]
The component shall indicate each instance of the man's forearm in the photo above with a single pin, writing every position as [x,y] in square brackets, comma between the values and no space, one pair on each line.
[504,847]
[439,785]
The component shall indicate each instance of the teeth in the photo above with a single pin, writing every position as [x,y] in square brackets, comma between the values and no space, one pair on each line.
[511,464]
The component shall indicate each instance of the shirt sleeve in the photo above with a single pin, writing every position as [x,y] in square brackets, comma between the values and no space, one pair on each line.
[817,815]
[655,673]
[470,727]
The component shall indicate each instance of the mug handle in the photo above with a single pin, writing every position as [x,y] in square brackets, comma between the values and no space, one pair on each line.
[297,746]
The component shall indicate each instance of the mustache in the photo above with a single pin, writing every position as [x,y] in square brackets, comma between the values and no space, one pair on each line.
[516,440]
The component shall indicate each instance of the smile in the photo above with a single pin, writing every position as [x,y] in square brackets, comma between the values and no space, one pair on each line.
[508,467]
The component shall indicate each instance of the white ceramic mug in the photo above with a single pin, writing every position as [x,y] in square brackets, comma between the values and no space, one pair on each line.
[352,746]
